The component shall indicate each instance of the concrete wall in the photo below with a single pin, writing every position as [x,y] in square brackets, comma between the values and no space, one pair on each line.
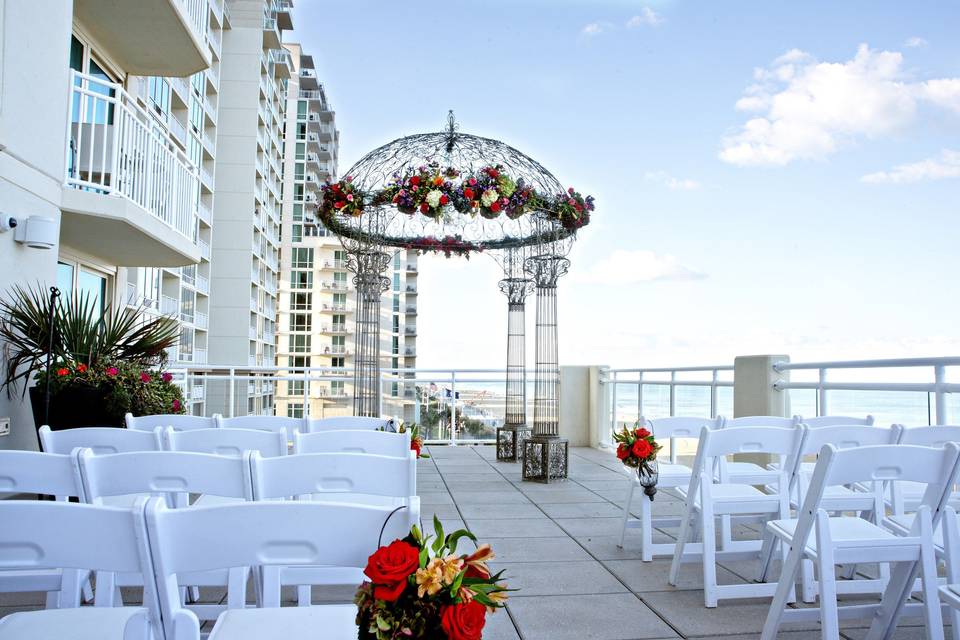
[33,110]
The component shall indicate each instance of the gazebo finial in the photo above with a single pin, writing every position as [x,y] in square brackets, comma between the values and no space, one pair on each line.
[452,128]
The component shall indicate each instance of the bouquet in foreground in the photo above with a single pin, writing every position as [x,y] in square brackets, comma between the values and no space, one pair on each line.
[420,589]
[636,448]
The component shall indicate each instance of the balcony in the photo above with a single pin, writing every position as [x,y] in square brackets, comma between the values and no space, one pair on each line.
[411,267]
[334,329]
[334,307]
[203,285]
[204,249]
[271,33]
[149,37]
[201,321]
[410,352]
[411,309]
[282,63]
[284,10]
[334,286]
[169,306]
[410,331]
[411,289]
[128,193]
[308,79]
[203,211]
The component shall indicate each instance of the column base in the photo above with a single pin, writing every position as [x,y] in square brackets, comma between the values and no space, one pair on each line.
[510,439]
[545,459]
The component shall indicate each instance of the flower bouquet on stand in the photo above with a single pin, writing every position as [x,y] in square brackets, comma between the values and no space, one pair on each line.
[637,448]
[420,589]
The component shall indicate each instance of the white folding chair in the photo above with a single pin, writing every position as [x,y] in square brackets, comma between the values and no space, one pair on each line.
[100,439]
[169,475]
[359,478]
[270,534]
[374,442]
[30,472]
[289,426]
[672,475]
[350,422]
[178,421]
[950,547]
[834,421]
[709,497]
[866,500]
[49,535]
[835,540]
[906,496]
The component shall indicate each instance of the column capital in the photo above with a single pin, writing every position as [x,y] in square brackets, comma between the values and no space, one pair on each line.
[545,270]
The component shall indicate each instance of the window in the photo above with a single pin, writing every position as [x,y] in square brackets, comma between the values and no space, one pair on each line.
[396,260]
[301,131]
[299,343]
[295,410]
[302,110]
[74,279]
[65,278]
[396,302]
[194,150]
[340,277]
[301,151]
[295,387]
[339,361]
[300,322]
[340,258]
[196,81]
[396,282]
[298,171]
[298,362]
[196,115]
[340,300]
[298,212]
[301,279]
[298,192]
[396,345]
[159,96]
[301,258]
[301,301]
[338,341]
[396,324]
[296,233]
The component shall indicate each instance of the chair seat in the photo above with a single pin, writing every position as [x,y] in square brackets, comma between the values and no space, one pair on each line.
[730,491]
[207,500]
[322,622]
[844,531]
[83,623]
[904,523]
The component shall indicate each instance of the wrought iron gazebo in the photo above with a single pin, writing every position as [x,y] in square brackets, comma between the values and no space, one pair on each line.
[432,192]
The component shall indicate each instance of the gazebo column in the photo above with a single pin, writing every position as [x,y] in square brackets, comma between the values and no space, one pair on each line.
[367,267]
[513,433]
[545,453]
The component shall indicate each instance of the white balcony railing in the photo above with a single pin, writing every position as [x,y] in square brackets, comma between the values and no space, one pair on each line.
[169,306]
[201,320]
[204,249]
[202,284]
[197,12]
[113,149]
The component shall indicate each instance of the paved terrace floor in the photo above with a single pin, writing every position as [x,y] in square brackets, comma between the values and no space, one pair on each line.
[558,545]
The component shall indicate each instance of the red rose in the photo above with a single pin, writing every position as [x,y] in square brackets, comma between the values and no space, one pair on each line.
[144,377]
[495,205]
[389,567]
[424,207]
[444,200]
[464,621]
[415,180]
[338,205]
[493,173]
[472,181]
[641,433]
[82,368]
[468,193]
[416,445]
[335,187]
[176,405]
[623,451]
[63,372]
[642,449]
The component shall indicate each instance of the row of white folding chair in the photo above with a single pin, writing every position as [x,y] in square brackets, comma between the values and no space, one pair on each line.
[33,473]
[710,496]
[162,543]
[829,541]
[262,423]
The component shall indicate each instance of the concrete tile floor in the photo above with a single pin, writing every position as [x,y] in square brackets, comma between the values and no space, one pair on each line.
[558,545]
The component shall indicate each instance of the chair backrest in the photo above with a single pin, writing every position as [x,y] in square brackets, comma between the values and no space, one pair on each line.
[267,534]
[177,421]
[165,474]
[100,439]
[833,421]
[761,421]
[323,473]
[351,423]
[227,442]
[674,428]
[932,436]
[716,444]
[264,423]
[58,535]
[43,473]
[374,442]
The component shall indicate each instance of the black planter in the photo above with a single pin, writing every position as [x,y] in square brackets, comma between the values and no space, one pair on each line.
[73,406]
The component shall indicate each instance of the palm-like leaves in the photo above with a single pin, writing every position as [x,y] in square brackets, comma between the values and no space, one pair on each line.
[80,334]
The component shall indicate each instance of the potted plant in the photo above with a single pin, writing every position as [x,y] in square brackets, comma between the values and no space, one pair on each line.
[102,365]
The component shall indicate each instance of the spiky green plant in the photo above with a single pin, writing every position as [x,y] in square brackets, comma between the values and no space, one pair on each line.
[81,333]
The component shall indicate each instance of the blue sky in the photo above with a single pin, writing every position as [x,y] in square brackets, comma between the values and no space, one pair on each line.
[770,177]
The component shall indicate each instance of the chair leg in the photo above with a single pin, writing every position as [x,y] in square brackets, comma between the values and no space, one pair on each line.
[785,587]
[829,615]
[928,571]
[107,594]
[304,595]
[626,514]
[709,559]
[808,582]
[70,589]
[87,588]
[681,542]
[646,531]
[52,600]
[766,556]
[726,532]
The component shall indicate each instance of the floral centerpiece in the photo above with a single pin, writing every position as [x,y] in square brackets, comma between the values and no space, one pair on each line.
[637,448]
[423,590]
[416,442]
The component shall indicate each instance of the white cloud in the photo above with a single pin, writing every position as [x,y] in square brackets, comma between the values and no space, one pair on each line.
[672,183]
[595,28]
[943,167]
[806,109]
[630,267]
[915,42]
[646,17]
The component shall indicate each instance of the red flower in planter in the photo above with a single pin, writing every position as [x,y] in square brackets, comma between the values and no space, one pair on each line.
[468,193]
[623,451]
[82,368]
[464,621]
[424,208]
[641,433]
[111,371]
[642,449]
[63,371]
[166,377]
[144,377]
[389,567]
[176,405]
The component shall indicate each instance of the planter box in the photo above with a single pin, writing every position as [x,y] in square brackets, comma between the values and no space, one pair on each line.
[72,407]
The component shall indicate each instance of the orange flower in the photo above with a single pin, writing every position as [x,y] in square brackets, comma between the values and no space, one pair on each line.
[497,597]
[82,368]
[477,562]
[430,578]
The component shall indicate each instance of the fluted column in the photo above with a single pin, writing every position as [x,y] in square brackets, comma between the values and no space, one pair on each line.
[510,437]
[545,453]
[367,267]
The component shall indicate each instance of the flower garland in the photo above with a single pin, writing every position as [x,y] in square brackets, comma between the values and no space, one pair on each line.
[429,190]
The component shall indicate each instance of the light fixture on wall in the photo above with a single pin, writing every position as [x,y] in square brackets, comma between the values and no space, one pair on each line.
[37,232]
[7,223]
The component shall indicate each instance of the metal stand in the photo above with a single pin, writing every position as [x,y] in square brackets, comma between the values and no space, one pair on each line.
[367,267]
[513,433]
[545,454]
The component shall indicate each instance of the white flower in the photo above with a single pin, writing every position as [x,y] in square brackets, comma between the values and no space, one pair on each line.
[433,198]
[489,197]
